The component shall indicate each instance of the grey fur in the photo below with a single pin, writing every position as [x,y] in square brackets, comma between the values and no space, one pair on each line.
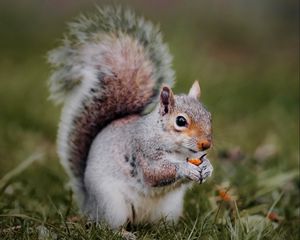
[119,146]
[160,170]
[88,29]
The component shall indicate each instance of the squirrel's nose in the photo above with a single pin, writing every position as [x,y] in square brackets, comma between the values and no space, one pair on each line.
[204,144]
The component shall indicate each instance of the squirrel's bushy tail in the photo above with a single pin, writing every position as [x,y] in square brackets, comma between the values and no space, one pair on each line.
[110,65]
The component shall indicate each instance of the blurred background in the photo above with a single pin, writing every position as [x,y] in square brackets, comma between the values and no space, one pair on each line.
[245,55]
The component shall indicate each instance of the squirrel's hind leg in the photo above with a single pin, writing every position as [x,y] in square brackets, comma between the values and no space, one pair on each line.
[105,202]
[170,207]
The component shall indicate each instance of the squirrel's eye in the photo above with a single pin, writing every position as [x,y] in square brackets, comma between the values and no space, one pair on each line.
[181,121]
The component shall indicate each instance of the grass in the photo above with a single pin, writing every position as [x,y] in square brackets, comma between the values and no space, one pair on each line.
[249,79]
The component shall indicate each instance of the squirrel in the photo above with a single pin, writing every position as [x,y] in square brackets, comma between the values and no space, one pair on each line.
[124,137]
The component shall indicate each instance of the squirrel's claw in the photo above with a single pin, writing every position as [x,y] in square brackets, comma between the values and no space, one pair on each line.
[206,170]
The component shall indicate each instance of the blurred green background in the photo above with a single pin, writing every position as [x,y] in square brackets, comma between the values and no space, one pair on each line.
[245,55]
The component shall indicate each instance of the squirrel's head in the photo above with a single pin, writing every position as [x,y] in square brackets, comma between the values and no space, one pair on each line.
[186,120]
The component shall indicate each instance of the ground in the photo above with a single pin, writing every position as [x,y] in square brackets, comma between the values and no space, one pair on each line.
[246,59]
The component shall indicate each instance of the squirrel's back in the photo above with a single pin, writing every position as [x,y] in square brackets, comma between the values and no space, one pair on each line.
[110,65]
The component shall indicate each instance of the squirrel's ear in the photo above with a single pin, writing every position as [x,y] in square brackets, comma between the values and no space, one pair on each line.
[195,90]
[166,100]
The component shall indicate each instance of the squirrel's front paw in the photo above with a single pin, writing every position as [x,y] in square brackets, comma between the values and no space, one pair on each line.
[196,173]
[205,169]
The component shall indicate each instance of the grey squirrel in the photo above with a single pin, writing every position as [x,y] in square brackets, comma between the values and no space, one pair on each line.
[124,138]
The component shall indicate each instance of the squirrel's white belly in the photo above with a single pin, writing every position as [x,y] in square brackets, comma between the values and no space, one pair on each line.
[168,205]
